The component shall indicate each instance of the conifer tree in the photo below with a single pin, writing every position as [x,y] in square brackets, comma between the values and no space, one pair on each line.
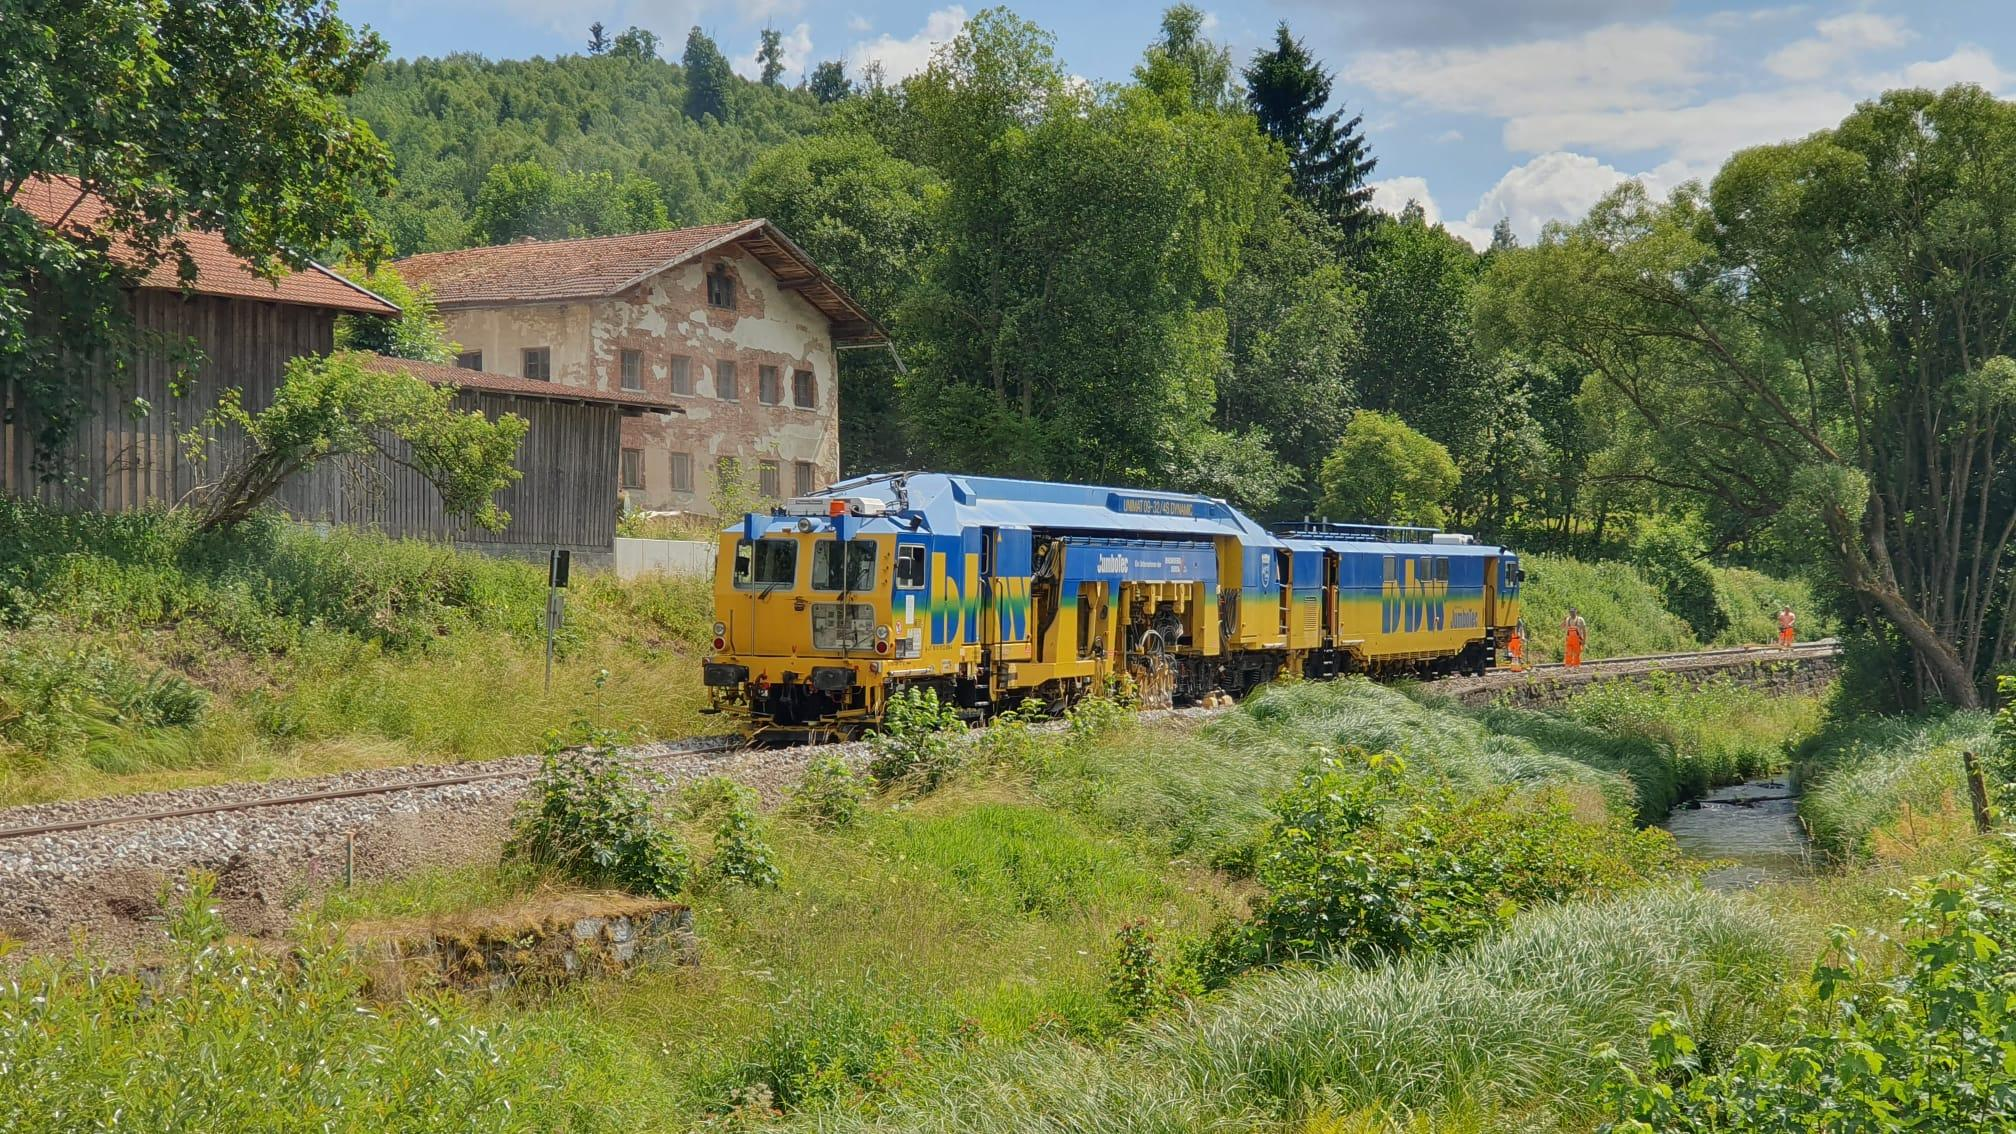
[1287,90]
[1503,239]
[598,38]
[707,78]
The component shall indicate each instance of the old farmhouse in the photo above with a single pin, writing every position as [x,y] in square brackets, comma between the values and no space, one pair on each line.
[734,321]
[125,452]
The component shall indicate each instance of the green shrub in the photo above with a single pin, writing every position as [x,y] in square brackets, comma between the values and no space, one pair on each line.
[589,818]
[70,702]
[1926,1050]
[739,855]
[1359,859]
[914,745]
[1671,559]
[1751,600]
[1624,612]
[1143,976]
[829,795]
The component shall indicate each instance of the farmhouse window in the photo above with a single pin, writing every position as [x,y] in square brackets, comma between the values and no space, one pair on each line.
[539,365]
[721,288]
[804,389]
[470,360]
[633,468]
[724,381]
[633,369]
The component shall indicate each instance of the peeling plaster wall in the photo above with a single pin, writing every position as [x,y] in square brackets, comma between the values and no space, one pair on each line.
[503,333]
[667,317]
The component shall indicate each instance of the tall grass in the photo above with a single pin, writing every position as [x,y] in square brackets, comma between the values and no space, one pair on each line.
[1200,792]
[1624,612]
[1861,777]
[1751,600]
[141,653]
[1507,1028]
[1675,740]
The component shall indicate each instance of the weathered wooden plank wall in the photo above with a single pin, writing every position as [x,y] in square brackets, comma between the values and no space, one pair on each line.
[127,451]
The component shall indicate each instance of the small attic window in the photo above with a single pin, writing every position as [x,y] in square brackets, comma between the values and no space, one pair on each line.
[721,288]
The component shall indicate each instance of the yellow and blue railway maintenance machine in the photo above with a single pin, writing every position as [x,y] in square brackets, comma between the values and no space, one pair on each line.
[993,591]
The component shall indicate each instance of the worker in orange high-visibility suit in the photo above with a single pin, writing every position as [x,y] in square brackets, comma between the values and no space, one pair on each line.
[1574,635]
[1786,621]
[1515,645]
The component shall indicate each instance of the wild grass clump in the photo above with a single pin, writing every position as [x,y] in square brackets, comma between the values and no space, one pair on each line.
[1862,776]
[738,854]
[143,653]
[1509,1027]
[225,1036]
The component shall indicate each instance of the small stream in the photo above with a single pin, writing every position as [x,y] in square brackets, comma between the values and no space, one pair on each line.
[1752,829]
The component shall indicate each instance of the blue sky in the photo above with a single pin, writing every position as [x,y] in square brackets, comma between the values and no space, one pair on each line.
[1481,109]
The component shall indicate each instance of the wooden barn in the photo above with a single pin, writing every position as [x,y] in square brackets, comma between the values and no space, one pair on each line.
[125,452]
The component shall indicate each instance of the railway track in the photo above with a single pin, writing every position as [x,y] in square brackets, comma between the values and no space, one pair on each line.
[702,747]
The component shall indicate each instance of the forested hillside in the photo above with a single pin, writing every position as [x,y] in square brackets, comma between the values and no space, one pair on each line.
[575,145]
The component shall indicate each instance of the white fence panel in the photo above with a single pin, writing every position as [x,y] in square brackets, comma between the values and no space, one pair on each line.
[636,557]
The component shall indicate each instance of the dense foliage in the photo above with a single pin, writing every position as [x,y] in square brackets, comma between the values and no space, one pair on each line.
[1813,350]
[1359,860]
[217,116]
[1927,1049]
[588,817]
[1384,472]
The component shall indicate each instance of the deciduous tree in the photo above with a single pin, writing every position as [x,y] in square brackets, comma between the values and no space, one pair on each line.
[1384,472]
[1819,343]
[708,78]
[177,116]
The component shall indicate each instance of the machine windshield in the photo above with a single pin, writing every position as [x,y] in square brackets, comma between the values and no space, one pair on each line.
[854,571]
[766,563]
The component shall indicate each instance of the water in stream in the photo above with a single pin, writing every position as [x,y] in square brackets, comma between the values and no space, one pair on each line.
[1752,829]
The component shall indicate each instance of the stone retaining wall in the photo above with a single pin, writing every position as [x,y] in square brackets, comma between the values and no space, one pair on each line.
[542,943]
[1783,675]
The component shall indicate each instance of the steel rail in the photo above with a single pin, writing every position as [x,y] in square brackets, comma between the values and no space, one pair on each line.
[228,806]
[1825,648]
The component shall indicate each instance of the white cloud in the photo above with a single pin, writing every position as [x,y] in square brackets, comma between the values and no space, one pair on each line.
[1698,132]
[797,45]
[1393,194]
[1448,136]
[859,23]
[901,58]
[1611,68]
[1435,22]
[1968,64]
[1839,40]
[1553,186]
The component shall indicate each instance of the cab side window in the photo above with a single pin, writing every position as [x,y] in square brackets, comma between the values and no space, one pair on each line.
[910,567]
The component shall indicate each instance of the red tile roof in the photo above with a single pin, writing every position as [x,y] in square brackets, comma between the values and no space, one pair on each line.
[549,271]
[442,374]
[59,200]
